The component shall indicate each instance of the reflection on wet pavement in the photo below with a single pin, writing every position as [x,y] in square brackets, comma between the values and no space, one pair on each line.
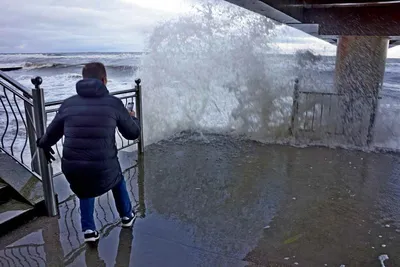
[226,202]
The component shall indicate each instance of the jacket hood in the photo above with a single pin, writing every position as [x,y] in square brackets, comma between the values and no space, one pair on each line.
[91,88]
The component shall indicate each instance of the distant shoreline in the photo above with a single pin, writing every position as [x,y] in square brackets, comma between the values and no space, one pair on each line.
[71,53]
[10,68]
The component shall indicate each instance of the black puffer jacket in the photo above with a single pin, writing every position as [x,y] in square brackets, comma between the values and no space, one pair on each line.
[88,122]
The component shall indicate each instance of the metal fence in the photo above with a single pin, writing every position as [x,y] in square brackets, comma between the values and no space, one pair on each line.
[16,114]
[126,96]
[62,244]
[322,114]
[24,116]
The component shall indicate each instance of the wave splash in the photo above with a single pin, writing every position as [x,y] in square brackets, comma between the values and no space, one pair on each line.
[209,72]
[216,70]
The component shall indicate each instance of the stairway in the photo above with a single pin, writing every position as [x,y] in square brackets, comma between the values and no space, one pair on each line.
[21,197]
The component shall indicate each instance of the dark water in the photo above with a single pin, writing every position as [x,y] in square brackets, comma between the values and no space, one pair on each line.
[219,201]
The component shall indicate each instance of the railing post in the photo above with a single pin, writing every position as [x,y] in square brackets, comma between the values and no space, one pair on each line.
[142,205]
[40,123]
[295,107]
[139,113]
[30,129]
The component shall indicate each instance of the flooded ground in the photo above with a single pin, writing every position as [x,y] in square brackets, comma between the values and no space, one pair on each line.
[218,201]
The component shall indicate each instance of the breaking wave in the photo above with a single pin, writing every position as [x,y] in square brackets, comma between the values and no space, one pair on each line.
[208,73]
[49,66]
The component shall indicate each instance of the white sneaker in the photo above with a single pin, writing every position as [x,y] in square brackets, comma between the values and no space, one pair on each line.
[91,236]
[128,222]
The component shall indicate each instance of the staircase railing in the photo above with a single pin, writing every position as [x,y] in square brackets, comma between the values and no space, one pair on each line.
[59,243]
[24,116]
[16,115]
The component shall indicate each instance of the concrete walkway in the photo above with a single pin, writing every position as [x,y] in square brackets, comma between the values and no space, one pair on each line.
[218,201]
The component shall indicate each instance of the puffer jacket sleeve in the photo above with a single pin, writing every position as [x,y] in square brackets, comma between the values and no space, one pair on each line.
[127,125]
[55,131]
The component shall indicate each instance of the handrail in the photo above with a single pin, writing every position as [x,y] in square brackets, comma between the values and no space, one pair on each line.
[329,94]
[17,106]
[53,103]
[59,102]
[15,92]
[16,84]
[134,90]
[319,93]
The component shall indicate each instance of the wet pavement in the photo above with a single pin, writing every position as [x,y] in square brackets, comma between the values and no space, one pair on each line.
[218,201]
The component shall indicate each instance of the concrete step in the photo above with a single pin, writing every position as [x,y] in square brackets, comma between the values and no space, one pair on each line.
[5,192]
[21,195]
[14,213]
[20,180]
[2,185]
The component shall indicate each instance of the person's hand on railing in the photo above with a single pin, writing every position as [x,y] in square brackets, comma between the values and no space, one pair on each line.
[48,152]
[129,107]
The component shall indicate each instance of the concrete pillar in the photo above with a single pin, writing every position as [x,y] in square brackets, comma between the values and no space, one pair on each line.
[360,68]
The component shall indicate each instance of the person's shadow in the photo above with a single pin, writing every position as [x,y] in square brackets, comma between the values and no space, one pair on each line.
[93,259]
[124,248]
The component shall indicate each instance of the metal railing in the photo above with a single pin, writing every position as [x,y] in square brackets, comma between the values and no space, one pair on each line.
[323,112]
[24,117]
[126,96]
[310,110]
[16,114]
[62,244]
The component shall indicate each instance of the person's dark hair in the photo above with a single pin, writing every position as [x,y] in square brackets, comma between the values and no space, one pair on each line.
[94,70]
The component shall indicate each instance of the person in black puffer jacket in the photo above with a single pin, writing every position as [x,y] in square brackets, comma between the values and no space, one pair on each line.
[90,163]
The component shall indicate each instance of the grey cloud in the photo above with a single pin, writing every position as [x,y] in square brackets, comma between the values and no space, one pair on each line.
[48,26]
[88,25]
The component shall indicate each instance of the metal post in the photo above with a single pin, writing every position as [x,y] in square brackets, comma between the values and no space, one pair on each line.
[45,172]
[139,114]
[30,128]
[142,205]
[295,107]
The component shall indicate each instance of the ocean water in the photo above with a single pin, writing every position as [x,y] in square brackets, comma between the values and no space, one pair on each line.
[60,72]
[183,102]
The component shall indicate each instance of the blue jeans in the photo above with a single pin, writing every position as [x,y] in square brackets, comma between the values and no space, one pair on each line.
[122,202]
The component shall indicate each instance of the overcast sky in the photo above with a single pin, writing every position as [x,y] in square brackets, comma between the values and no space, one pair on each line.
[104,25]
